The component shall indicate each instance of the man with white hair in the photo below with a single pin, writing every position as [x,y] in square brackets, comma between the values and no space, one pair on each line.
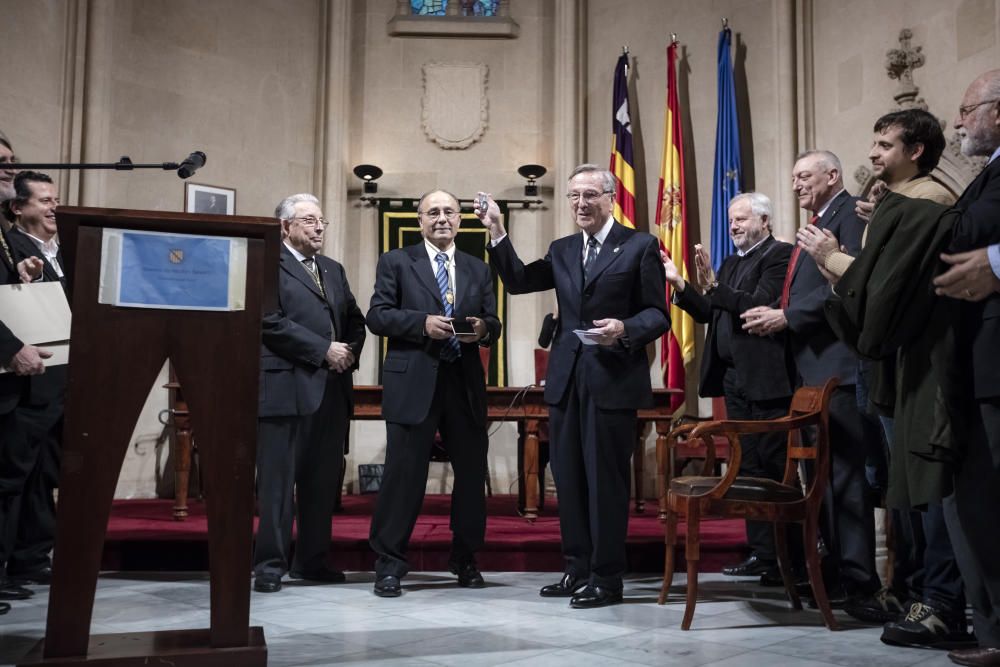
[311,346]
[753,373]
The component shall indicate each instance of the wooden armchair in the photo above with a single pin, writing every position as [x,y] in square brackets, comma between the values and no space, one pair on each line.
[732,496]
[675,451]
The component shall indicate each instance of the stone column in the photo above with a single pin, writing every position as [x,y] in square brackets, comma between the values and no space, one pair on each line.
[330,170]
[786,213]
[568,99]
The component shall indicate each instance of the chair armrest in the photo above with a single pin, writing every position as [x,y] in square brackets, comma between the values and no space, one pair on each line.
[767,426]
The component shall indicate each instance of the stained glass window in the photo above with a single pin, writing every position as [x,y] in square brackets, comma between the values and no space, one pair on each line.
[466,7]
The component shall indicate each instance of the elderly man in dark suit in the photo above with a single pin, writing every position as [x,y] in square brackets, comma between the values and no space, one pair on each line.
[433,381]
[819,355]
[610,287]
[311,346]
[974,276]
[753,373]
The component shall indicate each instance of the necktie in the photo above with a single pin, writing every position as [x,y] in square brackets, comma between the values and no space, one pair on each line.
[786,288]
[450,351]
[592,251]
[6,251]
[310,265]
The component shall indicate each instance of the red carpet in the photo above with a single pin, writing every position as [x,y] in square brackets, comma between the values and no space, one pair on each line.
[142,535]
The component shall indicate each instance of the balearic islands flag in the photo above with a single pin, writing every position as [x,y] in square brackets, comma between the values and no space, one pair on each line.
[621,148]
[677,346]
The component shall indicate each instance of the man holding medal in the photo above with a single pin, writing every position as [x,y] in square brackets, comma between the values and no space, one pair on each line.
[436,306]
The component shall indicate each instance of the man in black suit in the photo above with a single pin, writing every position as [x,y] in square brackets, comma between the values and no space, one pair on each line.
[753,373]
[311,346]
[22,360]
[609,282]
[433,382]
[32,522]
[974,276]
[820,355]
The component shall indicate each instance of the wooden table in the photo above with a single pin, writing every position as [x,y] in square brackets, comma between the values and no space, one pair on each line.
[524,406]
[528,408]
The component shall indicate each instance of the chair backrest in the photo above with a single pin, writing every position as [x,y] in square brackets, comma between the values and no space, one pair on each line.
[811,402]
[541,365]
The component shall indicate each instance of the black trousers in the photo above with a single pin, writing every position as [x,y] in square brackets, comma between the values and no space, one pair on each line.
[763,455]
[404,478]
[590,449]
[848,519]
[29,475]
[971,516]
[298,467]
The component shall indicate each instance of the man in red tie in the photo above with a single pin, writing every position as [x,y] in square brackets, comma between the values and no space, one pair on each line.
[849,531]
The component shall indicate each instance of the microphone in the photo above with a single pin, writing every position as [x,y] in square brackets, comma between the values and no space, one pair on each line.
[548,332]
[191,164]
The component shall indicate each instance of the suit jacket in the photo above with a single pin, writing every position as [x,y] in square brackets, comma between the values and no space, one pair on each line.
[761,362]
[406,291]
[11,386]
[819,354]
[50,385]
[979,226]
[626,282]
[296,337]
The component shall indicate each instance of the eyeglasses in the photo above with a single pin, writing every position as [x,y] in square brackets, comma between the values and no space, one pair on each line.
[436,213]
[586,197]
[969,108]
[312,221]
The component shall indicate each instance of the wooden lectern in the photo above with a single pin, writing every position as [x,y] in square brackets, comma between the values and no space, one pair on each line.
[115,356]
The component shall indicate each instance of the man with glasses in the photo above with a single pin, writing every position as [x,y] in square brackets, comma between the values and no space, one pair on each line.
[974,276]
[311,346]
[433,381]
[611,294]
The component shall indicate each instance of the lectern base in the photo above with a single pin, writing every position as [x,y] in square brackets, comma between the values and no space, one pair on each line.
[181,648]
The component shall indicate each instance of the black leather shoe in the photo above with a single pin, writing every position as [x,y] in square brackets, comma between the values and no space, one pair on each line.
[566,588]
[4,608]
[753,566]
[595,596]
[388,587]
[40,577]
[267,583]
[468,576]
[772,578]
[326,576]
[11,591]
[977,657]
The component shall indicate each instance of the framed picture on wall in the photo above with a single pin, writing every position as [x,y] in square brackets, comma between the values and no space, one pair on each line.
[199,198]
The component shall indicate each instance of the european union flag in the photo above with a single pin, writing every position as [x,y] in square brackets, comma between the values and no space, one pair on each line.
[728,180]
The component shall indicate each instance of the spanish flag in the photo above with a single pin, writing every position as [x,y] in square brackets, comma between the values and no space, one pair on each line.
[677,346]
[621,147]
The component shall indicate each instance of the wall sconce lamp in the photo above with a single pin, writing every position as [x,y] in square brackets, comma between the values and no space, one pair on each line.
[368,173]
[532,172]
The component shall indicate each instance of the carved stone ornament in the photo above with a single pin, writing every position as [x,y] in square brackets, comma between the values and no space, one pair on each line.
[954,170]
[454,106]
[899,64]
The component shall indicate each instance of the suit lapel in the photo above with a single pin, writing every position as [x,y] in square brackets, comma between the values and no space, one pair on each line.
[610,251]
[295,269]
[825,222]
[575,259]
[332,288]
[424,271]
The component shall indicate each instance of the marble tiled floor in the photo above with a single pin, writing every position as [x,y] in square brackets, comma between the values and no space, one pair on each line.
[436,623]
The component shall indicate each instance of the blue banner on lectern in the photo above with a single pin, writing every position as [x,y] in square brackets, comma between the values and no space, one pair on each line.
[173,271]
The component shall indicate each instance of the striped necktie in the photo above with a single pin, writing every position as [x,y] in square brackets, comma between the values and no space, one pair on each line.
[592,251]
[450,350]
[310,265]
